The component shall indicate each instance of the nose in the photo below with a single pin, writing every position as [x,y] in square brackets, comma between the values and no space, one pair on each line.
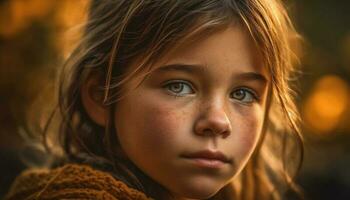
[214,122]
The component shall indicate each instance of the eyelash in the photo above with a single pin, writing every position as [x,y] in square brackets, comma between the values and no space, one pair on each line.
[171,83]
[254,96]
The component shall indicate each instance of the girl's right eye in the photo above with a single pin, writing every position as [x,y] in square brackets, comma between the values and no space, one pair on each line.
[179,88]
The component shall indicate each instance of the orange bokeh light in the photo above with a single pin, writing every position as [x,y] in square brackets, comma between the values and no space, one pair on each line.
[324,108]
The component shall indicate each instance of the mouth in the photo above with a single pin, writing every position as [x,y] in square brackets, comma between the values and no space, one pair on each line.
[208,159]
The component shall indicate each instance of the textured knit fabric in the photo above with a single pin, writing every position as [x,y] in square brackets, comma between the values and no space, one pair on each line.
[71,181]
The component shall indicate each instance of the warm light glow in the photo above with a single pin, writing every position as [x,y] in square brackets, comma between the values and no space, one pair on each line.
[20,13]
[69,18]
[65,16]
[326,105]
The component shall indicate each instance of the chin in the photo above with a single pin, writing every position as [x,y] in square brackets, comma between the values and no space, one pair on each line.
[198,192]
[199,195]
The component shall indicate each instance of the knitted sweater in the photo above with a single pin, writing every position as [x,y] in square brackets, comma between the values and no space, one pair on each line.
[71,181]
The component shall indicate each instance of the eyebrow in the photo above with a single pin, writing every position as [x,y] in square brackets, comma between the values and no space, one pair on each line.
[193,69]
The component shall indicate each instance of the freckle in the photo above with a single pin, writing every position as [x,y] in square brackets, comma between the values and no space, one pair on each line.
[183,115]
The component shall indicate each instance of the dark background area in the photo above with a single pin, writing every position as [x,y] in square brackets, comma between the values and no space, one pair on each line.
[34,40]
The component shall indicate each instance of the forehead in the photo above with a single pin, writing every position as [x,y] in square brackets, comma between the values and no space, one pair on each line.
[228,49]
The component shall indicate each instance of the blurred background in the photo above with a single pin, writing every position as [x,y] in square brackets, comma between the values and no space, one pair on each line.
[37,35]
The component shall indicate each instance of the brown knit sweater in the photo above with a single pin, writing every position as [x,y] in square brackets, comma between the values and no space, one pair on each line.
[72,181]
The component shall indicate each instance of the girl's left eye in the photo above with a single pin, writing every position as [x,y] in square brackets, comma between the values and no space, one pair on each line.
[179,88]
[244,95]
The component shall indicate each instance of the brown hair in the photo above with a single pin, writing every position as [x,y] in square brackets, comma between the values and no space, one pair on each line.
[119,33]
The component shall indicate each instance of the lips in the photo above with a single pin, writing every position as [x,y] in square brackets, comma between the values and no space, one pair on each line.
[208,155]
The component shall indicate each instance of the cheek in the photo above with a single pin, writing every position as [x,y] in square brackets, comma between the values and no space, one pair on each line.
[162,126]
[152,124]
[249,129]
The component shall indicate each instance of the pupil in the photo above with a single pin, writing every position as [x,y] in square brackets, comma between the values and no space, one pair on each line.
[177,87]
[239,94]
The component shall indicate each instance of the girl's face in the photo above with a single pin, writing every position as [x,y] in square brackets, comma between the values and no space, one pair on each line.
[205,97]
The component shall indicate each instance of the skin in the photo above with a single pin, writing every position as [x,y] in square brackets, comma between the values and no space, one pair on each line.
[216,102]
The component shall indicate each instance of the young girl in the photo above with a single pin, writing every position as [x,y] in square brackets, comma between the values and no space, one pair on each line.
[174,99]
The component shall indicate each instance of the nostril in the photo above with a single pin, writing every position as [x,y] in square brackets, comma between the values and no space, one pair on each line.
[207,127]
[207,132]
[226,133]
